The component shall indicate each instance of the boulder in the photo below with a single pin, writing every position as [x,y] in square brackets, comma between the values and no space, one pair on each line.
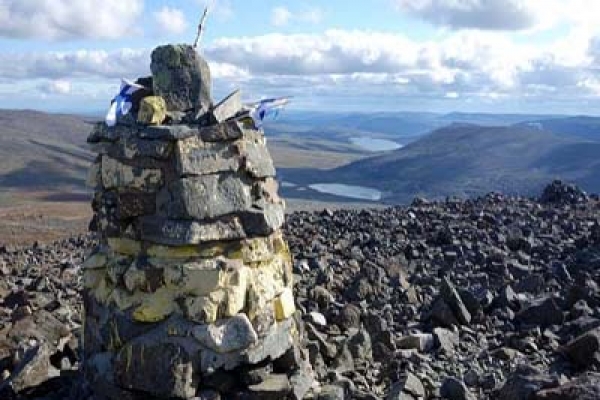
[182,77]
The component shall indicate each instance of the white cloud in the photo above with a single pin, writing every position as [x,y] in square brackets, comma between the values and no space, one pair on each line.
[481,14]
[60,87]
[170,20]
[338,64]
[280,16]
[76,65]
[67,19]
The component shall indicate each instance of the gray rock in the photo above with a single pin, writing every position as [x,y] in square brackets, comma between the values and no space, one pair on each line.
[258,161]
[163,369]
[264,220]
[32,369]
[442,314]
[301,381]
[422,342]
[453,299]
[182,77]
[195,157]
[207,395]
[227,335]
[584,351]
[360,345]
[275,387]
[584,387]
[343,361]
[446,340]
[182,232]
[331,392]
[132,147]
[543,312]
[168,132]
[131,205]
[208,197]
[454,389]
[103,133]
[226,131]
[524,383]
[408,387]
[317,319]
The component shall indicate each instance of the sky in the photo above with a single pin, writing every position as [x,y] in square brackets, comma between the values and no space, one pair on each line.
[509,56]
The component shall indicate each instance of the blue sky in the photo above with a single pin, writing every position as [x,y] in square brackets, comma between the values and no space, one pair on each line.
[533,56]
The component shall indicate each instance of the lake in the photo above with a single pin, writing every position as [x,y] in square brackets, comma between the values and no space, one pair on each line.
[350,191]
[375,145]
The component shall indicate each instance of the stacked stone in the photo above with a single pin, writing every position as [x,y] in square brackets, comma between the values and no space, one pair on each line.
[190,291]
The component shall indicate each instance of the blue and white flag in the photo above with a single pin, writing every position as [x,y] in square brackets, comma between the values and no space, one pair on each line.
[121,104]
[260,110]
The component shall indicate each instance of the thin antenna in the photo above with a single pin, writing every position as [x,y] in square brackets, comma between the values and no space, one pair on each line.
[201,27]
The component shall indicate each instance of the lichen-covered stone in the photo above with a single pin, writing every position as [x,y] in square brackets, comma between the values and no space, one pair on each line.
[131,148]
[182,77]
[195,278]
[284,305]
[116,175]
[153,110]
[156,306]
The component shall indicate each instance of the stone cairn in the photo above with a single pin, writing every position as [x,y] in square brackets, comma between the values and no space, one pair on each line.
[189,293]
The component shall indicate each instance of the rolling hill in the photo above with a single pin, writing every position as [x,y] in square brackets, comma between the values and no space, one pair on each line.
[40,151]
[468,160]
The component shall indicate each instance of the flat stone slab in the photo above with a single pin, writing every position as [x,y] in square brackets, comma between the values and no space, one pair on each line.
[228,107]
[227,131]
[208,197]
[196,157]
[103,133]
[185,232]
[168,132]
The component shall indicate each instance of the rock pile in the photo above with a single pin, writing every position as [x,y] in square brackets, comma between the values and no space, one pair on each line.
[386,296]
[189,292]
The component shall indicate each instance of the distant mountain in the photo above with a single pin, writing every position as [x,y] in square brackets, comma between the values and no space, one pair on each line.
[583,127]
[402,127]
[468,160]
[40,151]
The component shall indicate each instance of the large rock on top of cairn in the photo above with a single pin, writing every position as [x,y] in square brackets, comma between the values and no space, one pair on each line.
[181,77]
[190,288]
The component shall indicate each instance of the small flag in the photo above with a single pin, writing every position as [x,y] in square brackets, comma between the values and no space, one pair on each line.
[122,103]
[259,111]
